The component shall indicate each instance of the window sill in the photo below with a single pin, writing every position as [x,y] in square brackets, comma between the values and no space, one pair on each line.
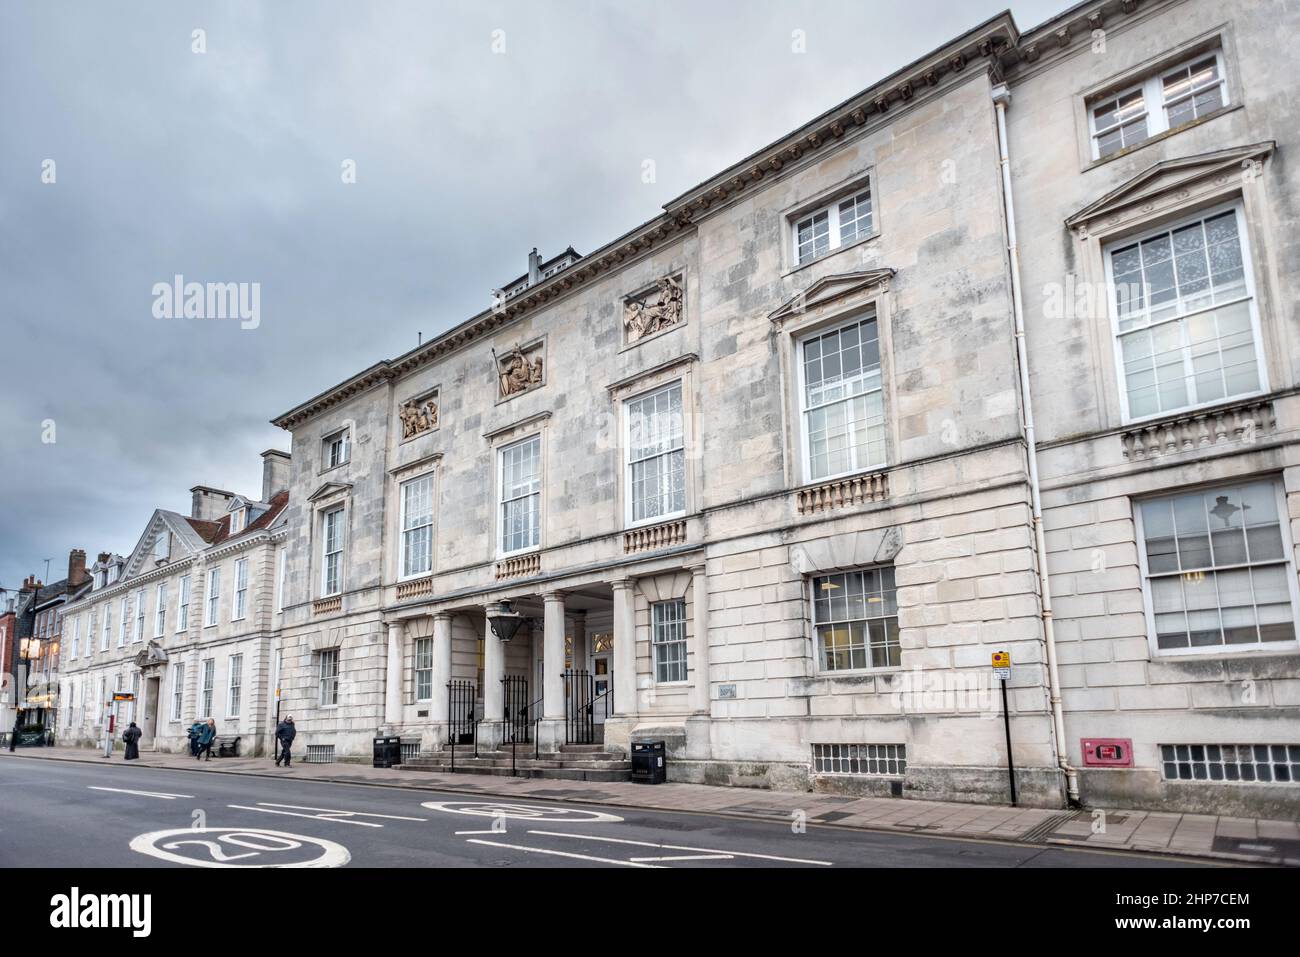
[832,253]
[1219,652]
[1189,411]
[333,468]
[1159,137]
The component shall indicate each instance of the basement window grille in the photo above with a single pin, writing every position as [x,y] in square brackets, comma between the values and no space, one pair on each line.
[320,753]
[410,752]
[888,759]
[1236,763]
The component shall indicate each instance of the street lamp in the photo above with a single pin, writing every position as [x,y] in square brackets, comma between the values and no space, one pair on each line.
[505,622]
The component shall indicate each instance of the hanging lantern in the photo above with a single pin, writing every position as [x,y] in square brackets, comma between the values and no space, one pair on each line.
[505,622]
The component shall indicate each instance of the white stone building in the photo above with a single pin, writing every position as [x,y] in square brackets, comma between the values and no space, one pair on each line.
[765,469]
[188,623]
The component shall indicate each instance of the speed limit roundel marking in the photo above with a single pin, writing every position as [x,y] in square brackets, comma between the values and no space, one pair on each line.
[240,847]
[523,812]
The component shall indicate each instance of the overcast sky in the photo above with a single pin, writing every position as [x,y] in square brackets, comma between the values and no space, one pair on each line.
[226,166]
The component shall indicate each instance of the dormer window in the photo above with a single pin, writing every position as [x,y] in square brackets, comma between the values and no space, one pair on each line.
[101,578]
[162,547]
[238,519]
[337,449]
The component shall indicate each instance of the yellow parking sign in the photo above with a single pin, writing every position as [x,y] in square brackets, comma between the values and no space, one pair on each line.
[1002,665]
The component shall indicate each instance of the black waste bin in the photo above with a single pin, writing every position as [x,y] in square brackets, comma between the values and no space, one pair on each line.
[388,751]
[648,762]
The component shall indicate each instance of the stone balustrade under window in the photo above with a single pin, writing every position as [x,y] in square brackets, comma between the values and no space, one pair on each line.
[1244,423]
[842,493]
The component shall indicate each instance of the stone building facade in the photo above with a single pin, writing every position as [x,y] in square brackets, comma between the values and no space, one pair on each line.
[188,623]
[765,471]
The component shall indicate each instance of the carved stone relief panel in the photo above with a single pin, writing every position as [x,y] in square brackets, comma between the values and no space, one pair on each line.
[419,415]
[655,309]
[519,369]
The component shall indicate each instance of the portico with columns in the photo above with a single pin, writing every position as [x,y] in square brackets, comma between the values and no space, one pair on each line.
[590,630]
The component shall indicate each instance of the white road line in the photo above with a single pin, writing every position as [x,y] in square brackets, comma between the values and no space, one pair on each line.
[148,794]
[679,847]
[314,817]
[329,810]
[460,833]
[687,857]
[542,850]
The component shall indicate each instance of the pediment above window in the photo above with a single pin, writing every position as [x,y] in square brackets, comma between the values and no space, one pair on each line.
[330,490]
[1172,183]
[829,289]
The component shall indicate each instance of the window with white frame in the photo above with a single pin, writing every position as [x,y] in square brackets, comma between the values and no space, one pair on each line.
[332,552]
[108,626]
[417,526]
[1186,330]
[135,697]
[76,637]
[183,605]
[336,449]
[139,616]
[240,608]
[213,597]
[521,495]
[842,400]
[209,680]
[837,224]
[234,686]
[160,610]
[855,618]
[1218,568]
[162,546]
[423,669]
[91,621]
[656,455]
[1162,101]
[124,621]
[668,639]
[328,677]
[237,519]
[178,690]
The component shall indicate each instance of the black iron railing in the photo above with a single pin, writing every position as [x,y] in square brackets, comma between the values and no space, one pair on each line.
[579,716]
[462,726]
[518,721]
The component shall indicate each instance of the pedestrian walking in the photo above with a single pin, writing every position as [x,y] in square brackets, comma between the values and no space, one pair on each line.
[132,738]
[285,732]
[206,737]
[195,730]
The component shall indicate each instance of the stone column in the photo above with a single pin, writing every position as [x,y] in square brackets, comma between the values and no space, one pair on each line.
[494,671]
[700,626]
[625,703]
[441,666]
[393,677]
[580,641]
[553,656]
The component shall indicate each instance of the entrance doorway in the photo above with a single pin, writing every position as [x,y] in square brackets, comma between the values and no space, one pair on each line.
[149,724]
[602,654]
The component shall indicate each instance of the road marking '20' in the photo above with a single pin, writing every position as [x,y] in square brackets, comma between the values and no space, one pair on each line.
[240,847]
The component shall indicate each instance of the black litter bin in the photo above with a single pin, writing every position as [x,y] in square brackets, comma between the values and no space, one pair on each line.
[648,762]
[388,751]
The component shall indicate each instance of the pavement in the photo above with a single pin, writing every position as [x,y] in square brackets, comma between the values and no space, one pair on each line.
[867,830]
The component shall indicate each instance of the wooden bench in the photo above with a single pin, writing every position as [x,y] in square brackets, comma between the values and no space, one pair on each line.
[226,746]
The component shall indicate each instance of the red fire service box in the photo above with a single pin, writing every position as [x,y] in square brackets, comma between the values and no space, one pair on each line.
[1107,752]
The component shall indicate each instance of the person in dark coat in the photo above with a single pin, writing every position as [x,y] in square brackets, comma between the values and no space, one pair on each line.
[285,732]
[195,730]
[132,738]
[206,737]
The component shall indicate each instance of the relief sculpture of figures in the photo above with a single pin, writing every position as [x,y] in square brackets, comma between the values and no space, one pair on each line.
[641,318]
[418,416]
[516,373]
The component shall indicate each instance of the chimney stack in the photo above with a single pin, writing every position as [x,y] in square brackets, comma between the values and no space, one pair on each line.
[275,473]
[534,268]
[76,567]
[209,504]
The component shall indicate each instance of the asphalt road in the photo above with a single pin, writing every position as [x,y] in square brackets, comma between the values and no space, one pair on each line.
[86,816]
